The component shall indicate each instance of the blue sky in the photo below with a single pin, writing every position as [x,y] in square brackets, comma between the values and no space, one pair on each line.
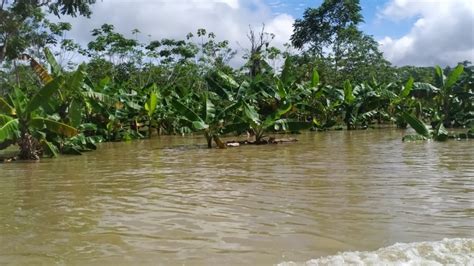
[373,25]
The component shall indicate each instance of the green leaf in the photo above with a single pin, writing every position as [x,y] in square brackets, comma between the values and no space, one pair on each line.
[133,105]
[289,125]
[210,109]
[6,108]
[283,110]
[71,151]
[235,127]
[8,128]
[185,111]
[152,102]
[100,97]
[271,119]
[76,81]
[221,83]
[440,76]
[200,125]
[49,149]
[425,88]
[251,114]
[55,67]
[417,125]
[75,113]
[229,109]
[348,94]
[286,73]
[190,115]
[407,88]
[315,78]
[54,126]
[441,134]
[454,76]
[43,96]
[281,89]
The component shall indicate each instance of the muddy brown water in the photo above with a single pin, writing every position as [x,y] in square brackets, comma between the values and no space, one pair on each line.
[171,201]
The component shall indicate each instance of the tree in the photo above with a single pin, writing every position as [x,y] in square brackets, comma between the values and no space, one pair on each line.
[21,22]
[324,26]
[259,44]
[330,33]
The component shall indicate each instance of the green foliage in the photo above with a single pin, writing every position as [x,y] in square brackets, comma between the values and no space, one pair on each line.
[420,128]
[130,89]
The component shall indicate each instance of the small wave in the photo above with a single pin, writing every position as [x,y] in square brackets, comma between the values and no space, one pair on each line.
[446,252]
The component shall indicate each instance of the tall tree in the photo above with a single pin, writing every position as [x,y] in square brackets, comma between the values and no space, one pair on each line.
[330,33]
[325,25]
[22,21]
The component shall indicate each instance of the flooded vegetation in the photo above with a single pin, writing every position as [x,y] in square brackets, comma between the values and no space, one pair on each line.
[165,151]
[170,200]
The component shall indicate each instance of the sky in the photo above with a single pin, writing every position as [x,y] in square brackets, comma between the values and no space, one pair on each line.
[410,32]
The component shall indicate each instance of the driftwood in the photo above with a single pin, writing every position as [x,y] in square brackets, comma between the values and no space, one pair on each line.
[271,140]
[8,159]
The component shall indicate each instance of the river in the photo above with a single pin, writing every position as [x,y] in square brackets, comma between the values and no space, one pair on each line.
[171,201]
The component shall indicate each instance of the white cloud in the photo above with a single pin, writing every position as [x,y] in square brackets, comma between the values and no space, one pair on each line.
[228,19]
[442,34]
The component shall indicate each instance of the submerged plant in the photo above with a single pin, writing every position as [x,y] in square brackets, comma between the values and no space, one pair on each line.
[423,131]
[23,122]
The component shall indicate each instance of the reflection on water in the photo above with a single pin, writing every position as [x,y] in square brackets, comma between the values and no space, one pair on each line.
[171,201]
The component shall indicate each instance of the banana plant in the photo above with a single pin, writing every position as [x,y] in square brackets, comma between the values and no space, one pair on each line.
[259,124]
[359,105]
[207,121]
[446,85]
[423,131]
[402,102]
[77,96]
[22,122]
[441,97]
[150,107]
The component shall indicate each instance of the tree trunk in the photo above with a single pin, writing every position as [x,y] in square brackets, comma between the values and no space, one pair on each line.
[209,140]
[28,146]
[219,142]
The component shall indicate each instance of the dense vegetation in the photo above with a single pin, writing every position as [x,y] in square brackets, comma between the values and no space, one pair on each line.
[128,89]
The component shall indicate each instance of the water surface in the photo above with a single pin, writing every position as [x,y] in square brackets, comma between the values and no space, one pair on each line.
[171,201]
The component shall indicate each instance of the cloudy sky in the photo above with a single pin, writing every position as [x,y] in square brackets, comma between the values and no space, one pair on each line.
[410,32]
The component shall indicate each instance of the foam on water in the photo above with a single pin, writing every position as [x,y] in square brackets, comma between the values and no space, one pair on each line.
[446,252]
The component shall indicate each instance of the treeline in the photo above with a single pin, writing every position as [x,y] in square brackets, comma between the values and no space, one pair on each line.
[332,76]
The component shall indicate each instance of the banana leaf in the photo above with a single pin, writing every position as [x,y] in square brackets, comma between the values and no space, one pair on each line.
[151,103]
[75,113]
[40,71]
[251,114]
[348,93]
[454,76]
[289,125]
[209,110]
[417,125]
[235,127]
[315,78]
[441,134]
[189,115]
[55,67]
[6,108]
[49,149]
[43,95]
[407,88]
[54,126]
[8,128]
[100,97]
